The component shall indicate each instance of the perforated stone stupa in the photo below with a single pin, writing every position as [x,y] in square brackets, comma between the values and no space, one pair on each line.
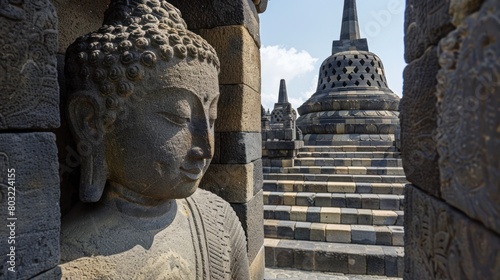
[352,102]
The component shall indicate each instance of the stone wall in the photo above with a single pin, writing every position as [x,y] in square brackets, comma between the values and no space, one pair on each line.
[449,136]
[29,111]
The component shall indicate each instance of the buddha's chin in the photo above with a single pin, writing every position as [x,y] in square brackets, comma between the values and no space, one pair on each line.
[184,190]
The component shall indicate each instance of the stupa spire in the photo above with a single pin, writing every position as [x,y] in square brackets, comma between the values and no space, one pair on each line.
[283,95]
[350,26]
[349,34]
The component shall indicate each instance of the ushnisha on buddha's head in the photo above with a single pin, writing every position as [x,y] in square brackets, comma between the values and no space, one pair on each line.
[143,101]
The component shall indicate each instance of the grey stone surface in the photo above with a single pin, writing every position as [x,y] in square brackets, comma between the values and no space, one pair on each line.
[467,144]
[210,14]
[239,147]
[331,261]
[30,161]
[426,22]
[460,248]
[258,176]
[292,274]
[419,122]
[28,75]
[251,218]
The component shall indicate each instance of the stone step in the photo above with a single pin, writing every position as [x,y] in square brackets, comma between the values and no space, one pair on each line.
[349,154]
[336,177]
[337,233]
[333,187]
[351,200]
[347,170]
[350,148]
[334,215]
[366,162]
[335,257]
[274,273]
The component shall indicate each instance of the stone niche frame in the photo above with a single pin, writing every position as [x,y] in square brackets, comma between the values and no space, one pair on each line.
[232,28]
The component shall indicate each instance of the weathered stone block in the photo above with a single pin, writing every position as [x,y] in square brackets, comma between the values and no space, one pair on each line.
[28,71]
[236,110]
[468,101]
[258,176]
[331,261]
[304,257]
[238,54]
[426,22]
[238,147]
[257,266]
[460,9]
[208,14]
[233,182]
[375,261]
[252,220]
[441,242]
[30,161]
[77,18]
[419,122]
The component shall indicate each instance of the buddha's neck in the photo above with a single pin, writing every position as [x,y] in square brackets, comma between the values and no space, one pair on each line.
[133,204]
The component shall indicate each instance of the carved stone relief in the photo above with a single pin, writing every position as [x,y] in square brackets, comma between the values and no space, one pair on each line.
[442,243]
[29,93]
[469,116]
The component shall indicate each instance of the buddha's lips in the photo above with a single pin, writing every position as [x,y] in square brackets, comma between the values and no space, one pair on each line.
[192,173]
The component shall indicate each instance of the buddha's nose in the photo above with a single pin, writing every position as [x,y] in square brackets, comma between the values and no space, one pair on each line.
[202,141]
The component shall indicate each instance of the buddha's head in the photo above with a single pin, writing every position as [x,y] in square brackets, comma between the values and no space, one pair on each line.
[143,94]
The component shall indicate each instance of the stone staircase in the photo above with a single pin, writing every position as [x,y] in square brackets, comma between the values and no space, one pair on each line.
[337,209]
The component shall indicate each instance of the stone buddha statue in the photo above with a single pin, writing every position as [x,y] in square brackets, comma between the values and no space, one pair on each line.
[143,94]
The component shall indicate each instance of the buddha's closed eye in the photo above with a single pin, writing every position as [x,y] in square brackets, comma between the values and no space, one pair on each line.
[175,119]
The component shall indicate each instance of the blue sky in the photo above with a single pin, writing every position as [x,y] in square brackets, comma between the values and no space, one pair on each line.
[296,38]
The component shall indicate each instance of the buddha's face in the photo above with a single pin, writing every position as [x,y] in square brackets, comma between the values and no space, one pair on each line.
[168,141]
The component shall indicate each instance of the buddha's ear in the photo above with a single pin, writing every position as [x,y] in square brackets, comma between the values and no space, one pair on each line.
[84,117]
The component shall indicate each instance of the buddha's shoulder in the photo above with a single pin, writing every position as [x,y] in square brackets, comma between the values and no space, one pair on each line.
[210,205]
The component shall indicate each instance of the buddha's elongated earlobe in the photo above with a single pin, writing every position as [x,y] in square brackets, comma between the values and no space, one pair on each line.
[85,123]
[93,175]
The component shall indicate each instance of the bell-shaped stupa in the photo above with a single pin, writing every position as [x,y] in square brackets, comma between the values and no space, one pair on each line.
[352,102]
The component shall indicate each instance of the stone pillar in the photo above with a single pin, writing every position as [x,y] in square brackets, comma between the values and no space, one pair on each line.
[449,134]
[232,28]
[29,111]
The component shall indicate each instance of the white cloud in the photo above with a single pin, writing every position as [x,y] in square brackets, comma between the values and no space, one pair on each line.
[300,99]
[281,63]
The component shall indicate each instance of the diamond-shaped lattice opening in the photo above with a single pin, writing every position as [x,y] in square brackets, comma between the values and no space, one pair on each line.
[323,68]
[362,77]
[333,85]
[350,77]
[324,86]
[362,61]
[356,69]
[373,77]
[344,84]
[356,83]
[368,83]
[338,77]
[329,65]
[334,72]
[367,57]
[344,70]
[356,56]
[350,62]
[367,69]
[339,63]
[372,63]
[379,84]
[326,73]
[329,79]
